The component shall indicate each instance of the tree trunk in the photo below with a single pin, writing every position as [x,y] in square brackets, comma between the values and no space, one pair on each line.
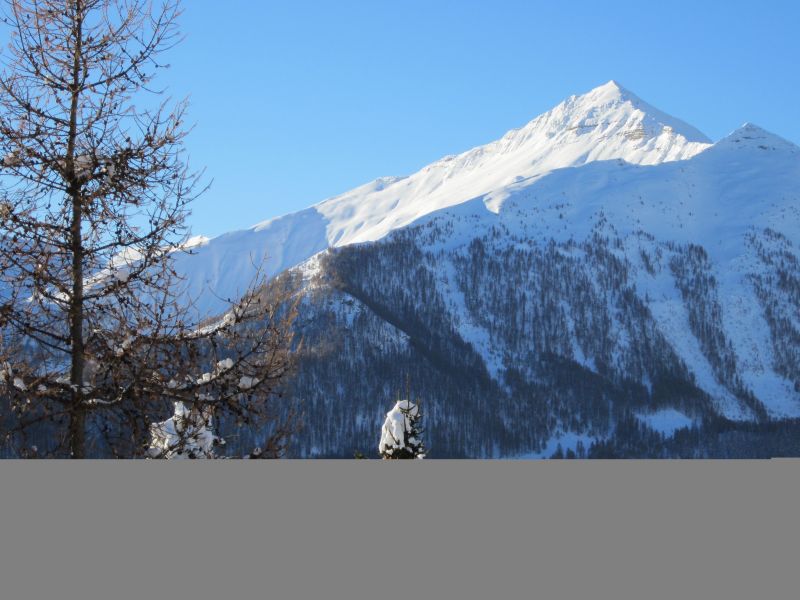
[77,426]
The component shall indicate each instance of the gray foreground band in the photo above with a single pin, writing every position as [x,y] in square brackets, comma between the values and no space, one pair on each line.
[426,529]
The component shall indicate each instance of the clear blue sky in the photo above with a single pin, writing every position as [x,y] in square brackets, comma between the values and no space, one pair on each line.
[296,101]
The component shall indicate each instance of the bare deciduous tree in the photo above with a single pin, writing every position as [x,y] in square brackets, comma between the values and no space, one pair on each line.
[97,341]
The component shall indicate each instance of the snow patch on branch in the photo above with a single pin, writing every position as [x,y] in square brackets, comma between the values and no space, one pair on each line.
[7,375]
[246,383]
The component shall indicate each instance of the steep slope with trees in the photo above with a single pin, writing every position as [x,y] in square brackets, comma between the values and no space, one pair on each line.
[598,305]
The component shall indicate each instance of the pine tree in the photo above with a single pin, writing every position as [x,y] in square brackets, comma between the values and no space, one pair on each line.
[401,435]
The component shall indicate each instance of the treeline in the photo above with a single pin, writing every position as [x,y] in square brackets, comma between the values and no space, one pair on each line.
[713,438]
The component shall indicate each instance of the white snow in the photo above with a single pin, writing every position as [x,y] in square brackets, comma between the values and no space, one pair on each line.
[472,333]
[246,383]
[397,423]
[666,421]
[669,311]
[608,122]
[187,434]
[224,365]
[602,153]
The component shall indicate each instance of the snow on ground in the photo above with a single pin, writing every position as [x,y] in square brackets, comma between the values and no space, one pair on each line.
[666,421]
[744,324]
[669,311]
[694,201]
[472,333]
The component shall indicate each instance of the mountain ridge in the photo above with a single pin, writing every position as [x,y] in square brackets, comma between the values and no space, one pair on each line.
[593,279]
[609,122]
[641,310]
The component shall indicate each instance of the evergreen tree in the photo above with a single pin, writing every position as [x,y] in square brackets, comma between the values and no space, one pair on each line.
[401,436]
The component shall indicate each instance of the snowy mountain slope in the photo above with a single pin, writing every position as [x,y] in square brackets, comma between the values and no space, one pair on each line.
[603,273]
[608,122]
[593,297]
[740,194]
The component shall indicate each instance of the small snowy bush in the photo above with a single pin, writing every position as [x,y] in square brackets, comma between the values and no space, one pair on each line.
[187,434]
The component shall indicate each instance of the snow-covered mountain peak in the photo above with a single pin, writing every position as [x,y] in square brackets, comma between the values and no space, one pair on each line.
[603,260]
[750,136]
[611,86]
[606,123]
[611,110]
[608,93]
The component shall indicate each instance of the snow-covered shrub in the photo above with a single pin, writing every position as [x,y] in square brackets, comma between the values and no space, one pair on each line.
[187,434]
